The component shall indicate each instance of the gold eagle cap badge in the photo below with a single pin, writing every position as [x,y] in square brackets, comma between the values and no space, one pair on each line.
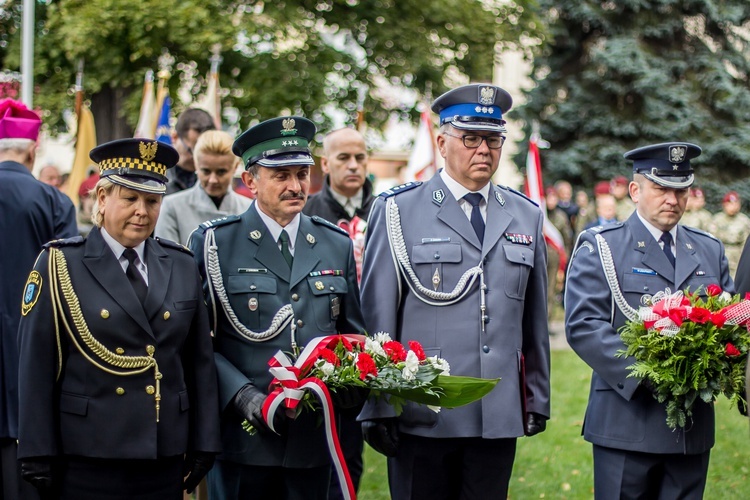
[148,150]
[288,124]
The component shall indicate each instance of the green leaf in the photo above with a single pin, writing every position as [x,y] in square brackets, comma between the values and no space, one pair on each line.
[450,391]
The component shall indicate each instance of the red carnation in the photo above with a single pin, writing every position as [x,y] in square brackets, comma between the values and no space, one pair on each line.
[747,295]
[718,319]
[731,351]
[713,290]
[366,366]
[417,348]
[699,315]
[347,344]
[330,356]
[395,351]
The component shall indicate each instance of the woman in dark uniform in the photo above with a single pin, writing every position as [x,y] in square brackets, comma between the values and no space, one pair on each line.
[118,394]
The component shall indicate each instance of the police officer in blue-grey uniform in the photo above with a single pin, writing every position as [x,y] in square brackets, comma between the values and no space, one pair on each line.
[459,265]
[274,279]
[117,376]
[613,270]
[33,213]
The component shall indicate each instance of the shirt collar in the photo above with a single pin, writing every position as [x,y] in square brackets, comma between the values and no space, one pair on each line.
[118,248]
[459,191]
[656,232]
[355,200]
[275,228]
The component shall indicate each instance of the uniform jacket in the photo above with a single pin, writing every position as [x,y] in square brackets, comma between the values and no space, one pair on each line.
[183,211]
[33,213]
[253,271]
[88,412]
[323,203]
[621,414]
[440,239]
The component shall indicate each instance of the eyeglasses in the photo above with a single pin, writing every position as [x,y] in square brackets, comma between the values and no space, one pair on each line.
[185,145]
[474,141]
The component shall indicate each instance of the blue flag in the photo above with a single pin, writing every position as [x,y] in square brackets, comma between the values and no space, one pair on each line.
[163,129]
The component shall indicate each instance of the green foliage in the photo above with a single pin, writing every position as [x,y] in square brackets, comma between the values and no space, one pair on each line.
[284,56]
[613,76]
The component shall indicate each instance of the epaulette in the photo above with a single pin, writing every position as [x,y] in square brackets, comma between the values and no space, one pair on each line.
[325,223]
[519,194]
[64,242]
[605,228]
[701,232]
[221,221]
[400,189]
[174,244]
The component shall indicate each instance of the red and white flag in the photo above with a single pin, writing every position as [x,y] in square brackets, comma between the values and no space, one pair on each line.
[534,189]
[422,166]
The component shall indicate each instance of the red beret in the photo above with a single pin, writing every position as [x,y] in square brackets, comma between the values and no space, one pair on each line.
[550,190]
[88,185]
[697,192]
[620,180]
[601,187]
[731,196]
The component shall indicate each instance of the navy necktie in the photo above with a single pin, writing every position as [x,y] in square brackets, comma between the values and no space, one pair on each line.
[284,241]
[666,238]
[134,276]
[476,215]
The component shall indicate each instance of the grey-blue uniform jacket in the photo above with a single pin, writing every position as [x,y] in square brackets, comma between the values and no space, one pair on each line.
[620,413]
[441,243]
[322,290]
[85,411]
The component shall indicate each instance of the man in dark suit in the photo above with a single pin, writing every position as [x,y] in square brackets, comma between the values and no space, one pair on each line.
[613,270]
[117,376]
[33,213]
[459,265]
[275,279]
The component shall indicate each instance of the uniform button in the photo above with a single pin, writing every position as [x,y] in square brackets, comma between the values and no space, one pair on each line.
[295,297]
[150,350]
[104,314]
[437,256]
[120,391]
[620,386]
[300,323]
[645,288]
[150,389]
[332,289]
[166,315]
[253,287]
[120,350]
[486,348]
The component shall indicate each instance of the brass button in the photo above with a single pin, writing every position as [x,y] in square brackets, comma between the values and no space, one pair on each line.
[150,389]
[300,323]
[104,313]
[120,391]
[150,350]
[166,315]
[120,350]
[295,297]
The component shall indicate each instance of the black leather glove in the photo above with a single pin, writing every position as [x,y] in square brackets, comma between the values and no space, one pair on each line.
[38,471]
[196,466]
[382,435]
[249,403]
[535,423]
[742,406]
[345,398]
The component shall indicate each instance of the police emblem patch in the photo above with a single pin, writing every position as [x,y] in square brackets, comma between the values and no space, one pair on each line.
[310,238]
[486,96]
[255,234]
[31,292]
[500,199]
[438,196]
[677,154]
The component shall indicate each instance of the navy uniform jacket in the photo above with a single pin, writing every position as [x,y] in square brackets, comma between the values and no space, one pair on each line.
[33,213]
[89,412]
[253,271]
[620,413]
[439,238]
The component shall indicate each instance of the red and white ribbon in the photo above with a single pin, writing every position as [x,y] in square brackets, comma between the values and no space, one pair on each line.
[668,312]
[290,386]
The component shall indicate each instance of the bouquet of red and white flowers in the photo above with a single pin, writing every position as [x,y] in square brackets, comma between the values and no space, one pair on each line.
[376,364]
[690,347]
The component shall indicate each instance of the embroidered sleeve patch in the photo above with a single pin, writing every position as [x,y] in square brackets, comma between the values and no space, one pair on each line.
[31,292]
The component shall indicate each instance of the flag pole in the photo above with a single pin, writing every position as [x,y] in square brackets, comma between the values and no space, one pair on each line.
[27,53]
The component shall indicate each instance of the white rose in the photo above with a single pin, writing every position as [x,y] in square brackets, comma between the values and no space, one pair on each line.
[327,369]
[374,348]
[725,297]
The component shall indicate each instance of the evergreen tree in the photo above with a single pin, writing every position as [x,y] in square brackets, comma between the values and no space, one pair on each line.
[616,75]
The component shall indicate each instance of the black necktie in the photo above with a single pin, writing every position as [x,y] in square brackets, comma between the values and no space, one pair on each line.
[134,276]
[284,242]
[476,215]
[666,238]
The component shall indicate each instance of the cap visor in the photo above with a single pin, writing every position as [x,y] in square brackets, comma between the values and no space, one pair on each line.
[678,182]
[485,126]
[287,160]
[139,183]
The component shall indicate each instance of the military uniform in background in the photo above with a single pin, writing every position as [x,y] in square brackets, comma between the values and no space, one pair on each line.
[699,219]
[732,230]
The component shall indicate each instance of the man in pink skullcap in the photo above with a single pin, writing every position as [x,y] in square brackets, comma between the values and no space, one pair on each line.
[33,214]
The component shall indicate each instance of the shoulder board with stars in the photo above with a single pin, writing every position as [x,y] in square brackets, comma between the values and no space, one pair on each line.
[510,189]
[330,225]
[221,221]
[700,232]
[173,244]
[608,227]
[400,189]
[65,242]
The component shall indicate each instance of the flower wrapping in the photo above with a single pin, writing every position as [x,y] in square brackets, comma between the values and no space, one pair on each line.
[376,364]
[690,347]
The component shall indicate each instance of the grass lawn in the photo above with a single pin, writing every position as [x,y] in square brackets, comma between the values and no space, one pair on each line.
[557,463]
